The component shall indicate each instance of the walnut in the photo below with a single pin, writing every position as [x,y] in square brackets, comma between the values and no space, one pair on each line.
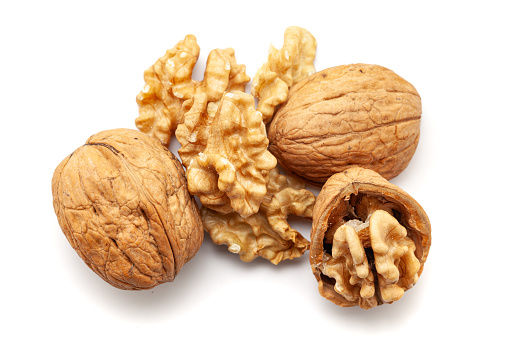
[224,149]
[266,233]
[160,109]
[369,239]
[284,68]
[170,87]
[358,114]
[122,202]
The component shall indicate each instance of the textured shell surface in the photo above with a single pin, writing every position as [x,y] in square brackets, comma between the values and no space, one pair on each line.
[356,114]
[122,202]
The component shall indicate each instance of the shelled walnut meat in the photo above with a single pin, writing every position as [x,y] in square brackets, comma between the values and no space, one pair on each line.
[358,114]
[369,239]
[225,153]
[284,68]
[267,233]
[170,90]
[122,202]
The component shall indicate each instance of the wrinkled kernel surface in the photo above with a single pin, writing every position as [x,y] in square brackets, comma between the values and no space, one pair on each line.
[225,153]
[160,109]
[266,233]
[170,89]
[393,256]
[284,68]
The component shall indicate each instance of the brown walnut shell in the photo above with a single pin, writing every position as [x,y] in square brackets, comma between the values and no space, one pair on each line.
[369,239]
[358,114]
[122,202]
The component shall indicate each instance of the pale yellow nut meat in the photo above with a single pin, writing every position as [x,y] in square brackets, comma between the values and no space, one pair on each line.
[222,74]
[284,68]
[393,253]
[267,233]
[160,110]
[226,156]
[347,240]
[169,91]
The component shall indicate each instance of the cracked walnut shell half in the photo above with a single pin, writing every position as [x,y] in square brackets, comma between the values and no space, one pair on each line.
[359,114]
[122,202]
[369,239]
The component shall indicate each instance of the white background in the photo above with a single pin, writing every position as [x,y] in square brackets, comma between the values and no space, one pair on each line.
[70,69]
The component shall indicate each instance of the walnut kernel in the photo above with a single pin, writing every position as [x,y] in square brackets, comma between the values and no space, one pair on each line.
[160,109]
[267,233]
[170,88]
[284,68]
[225,152]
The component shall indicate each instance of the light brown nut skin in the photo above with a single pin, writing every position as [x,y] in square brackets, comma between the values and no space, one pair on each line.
[122,202]
[340,202]
[356,114]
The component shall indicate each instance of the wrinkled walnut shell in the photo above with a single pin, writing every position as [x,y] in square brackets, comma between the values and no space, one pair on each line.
[369,239]
[359,114]
[122,202]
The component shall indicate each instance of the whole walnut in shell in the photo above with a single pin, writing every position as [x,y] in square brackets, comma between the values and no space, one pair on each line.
[369,239]
[358,114]
[122,202]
